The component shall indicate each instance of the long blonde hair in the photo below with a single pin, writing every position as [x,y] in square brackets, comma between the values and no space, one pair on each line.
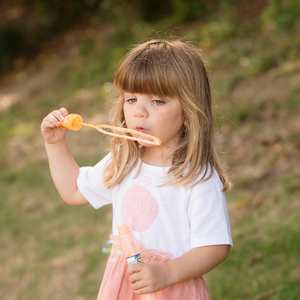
[168,69]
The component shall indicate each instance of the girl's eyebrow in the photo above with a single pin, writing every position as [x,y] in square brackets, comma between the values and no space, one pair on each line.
[151,97]
[129,95]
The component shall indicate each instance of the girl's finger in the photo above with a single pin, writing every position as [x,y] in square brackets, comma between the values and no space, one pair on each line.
[133,268]
[53,118]
[139,285]
[64,111]
[53,121]
[49,124]
[145,290]
[58,114]
[134,277]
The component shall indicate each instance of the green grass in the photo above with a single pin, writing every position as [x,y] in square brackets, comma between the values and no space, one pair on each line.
[41,229]
[264,257]
[54,249]
[264,260]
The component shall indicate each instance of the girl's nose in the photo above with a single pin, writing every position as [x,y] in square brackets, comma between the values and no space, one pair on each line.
[140,112]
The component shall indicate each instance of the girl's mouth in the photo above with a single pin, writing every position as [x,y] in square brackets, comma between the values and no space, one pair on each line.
[140,128]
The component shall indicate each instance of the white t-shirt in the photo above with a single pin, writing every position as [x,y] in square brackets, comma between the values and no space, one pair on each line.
[168,218]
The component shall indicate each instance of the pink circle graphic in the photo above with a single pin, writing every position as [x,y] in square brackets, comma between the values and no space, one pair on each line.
[139,208]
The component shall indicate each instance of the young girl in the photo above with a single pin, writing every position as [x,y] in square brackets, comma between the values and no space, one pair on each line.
[168,200]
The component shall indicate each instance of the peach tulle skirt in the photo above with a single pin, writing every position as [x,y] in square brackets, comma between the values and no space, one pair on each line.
[115,283]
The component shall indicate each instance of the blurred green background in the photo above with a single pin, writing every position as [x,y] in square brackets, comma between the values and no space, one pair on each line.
[63,53]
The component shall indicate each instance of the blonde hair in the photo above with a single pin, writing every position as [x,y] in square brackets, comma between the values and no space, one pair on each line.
[168,69]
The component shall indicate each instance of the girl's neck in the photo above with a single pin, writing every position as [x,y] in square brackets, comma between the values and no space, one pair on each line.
[155,156]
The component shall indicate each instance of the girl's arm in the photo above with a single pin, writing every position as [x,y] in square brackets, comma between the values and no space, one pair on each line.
[63,167]
[64,171]
[196,262]
[149,278]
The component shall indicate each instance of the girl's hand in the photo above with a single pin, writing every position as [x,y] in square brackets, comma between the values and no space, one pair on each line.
[50,129]
[148,278]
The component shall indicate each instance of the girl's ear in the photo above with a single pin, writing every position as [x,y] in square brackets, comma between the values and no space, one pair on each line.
[184,129]
[185,123]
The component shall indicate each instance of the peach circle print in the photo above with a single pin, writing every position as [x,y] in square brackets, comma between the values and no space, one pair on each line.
[139,208]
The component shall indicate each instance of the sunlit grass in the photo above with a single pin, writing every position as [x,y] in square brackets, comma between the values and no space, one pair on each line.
[55,249]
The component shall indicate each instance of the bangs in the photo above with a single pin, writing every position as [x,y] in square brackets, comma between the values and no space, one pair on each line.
[150,71]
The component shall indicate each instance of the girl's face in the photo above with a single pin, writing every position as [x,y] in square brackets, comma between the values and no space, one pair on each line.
[161,117]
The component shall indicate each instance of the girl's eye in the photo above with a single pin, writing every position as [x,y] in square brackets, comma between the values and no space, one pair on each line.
[158,102]
[130,100]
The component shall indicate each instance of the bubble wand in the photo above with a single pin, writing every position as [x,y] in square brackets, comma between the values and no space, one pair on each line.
[75,122]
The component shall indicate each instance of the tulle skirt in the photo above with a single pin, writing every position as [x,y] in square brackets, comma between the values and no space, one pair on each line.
[115,283]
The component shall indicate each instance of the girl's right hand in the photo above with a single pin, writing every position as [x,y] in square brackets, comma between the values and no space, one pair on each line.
[50,129]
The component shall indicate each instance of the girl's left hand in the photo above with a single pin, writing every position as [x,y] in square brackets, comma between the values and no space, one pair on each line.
[148,278]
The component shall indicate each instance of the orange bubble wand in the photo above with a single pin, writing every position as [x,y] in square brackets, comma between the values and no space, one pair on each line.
[75,122]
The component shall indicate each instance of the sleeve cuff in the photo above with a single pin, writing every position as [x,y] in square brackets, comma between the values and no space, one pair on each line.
[211,242]
[89,195]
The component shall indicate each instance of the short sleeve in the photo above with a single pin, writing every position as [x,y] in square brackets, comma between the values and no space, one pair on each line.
[90,183]
[208,214]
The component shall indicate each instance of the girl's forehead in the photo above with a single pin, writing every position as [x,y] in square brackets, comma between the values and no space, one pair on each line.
[138,94]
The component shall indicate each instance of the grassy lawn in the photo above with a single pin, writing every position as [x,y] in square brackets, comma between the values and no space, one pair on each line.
[53,251]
